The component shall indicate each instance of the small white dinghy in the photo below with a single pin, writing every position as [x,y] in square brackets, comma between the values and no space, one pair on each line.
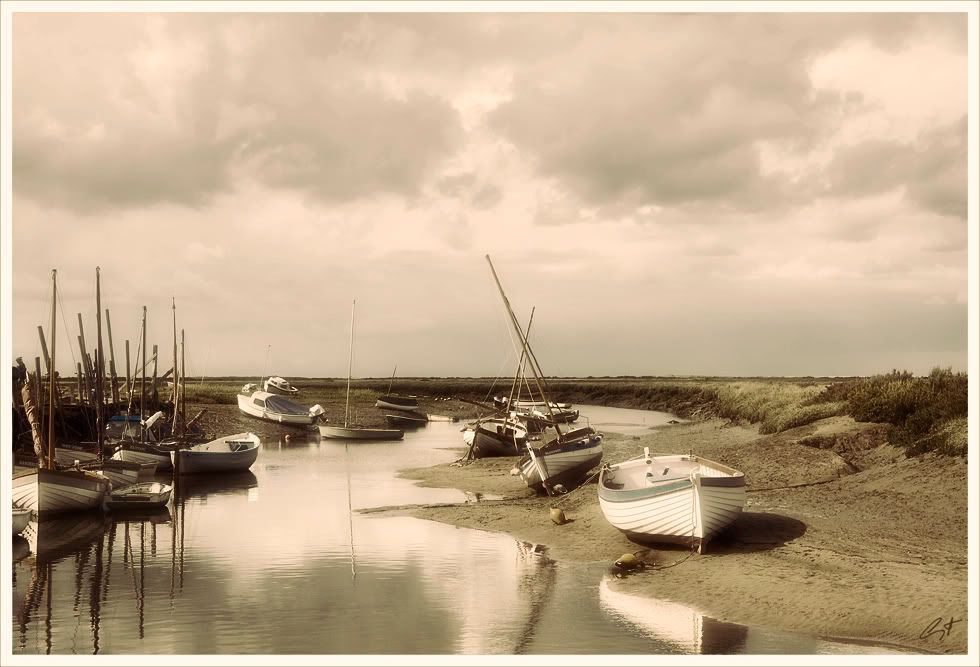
[278,385]
[19,519]
[227,454]
[142,496]
[671,498]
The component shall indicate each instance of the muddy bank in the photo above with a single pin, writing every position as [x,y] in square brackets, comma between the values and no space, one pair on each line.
[842,535]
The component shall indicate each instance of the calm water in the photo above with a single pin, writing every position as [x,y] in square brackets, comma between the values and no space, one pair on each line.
[272,561]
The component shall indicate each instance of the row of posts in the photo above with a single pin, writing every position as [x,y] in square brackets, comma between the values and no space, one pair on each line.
[85,380]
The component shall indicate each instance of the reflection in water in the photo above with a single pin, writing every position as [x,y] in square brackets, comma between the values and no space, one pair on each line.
[183,580]
[72,565]
[686,629]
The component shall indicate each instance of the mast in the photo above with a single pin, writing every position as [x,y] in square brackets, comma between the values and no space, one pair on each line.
[520,368]
[99,367]
[143,381]
[392,379]
[49,464]
[173,427]
[183,388]
[350,362]
[535,368]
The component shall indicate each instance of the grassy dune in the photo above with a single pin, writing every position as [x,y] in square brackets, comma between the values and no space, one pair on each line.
[924,413]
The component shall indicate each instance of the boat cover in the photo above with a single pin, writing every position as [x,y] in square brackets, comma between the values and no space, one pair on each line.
[284,406]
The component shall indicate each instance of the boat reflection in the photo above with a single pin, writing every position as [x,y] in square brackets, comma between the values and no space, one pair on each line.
[75,559]
[686,630]
[202,486]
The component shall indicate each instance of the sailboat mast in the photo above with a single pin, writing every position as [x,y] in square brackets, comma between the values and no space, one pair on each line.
[535,369]
[183,387]
[520,367]
[143,381]
[350,362]
[392,381]
[49,464]
[99,367]
[173,427]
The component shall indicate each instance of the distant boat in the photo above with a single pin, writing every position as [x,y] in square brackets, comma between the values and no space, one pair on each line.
[230,453]
[671,498]
[495,437]
[556,415]
[566,459]
[348,431]
[503,402]
[275,408]
[135,441]
[392,402]
[408,419]
[20,517]
[143,496]
[279,385]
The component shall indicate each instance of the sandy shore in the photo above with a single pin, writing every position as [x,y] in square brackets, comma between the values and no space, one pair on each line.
[842,536]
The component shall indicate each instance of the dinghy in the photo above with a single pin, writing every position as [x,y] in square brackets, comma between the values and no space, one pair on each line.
[275,408]
[143,496]
[19,519]
[227,454]
[671,498]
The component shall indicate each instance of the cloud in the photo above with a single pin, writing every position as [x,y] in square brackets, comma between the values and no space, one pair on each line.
[126,110]
[675,110]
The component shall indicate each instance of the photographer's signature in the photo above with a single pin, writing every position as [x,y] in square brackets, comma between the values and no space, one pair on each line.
[937,627]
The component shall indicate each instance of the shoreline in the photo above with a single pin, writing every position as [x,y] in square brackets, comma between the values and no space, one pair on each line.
[841,537]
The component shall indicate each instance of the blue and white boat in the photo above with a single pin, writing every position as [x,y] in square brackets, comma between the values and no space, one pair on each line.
[671,498]
[565,460]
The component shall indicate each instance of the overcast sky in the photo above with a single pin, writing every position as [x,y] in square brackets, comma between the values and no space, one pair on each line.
[729,194]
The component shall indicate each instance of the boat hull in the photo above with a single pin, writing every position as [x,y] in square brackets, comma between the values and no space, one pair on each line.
[56,491]
[564,462]
[248,406]
[689,505]
[138,497]
[67,456]
[350,433]
[144,454]
[407,421]
[228,454]
[391,402]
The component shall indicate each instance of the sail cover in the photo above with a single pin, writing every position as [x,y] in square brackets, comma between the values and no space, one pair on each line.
[284,406]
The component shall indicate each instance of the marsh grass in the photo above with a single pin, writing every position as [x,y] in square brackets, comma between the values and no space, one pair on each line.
[926,413]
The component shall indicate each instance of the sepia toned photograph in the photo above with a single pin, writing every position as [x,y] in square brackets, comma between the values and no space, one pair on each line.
[506,333]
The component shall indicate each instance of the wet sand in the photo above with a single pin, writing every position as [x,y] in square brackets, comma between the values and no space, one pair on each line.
[841,536]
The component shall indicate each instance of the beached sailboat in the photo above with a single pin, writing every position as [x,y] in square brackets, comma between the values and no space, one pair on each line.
[495,437]
[45,489]
[349,431]
[136,497]
[569,456]
[672,498]
[230,453]
[391,401]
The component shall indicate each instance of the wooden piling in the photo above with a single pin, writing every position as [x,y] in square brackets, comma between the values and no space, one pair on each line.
[112,360]
[129,385]
[154,393]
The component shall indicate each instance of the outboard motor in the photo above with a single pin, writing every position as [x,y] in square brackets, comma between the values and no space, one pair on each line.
[316,411]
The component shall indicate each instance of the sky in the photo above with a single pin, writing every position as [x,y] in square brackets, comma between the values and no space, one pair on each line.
[694,193]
